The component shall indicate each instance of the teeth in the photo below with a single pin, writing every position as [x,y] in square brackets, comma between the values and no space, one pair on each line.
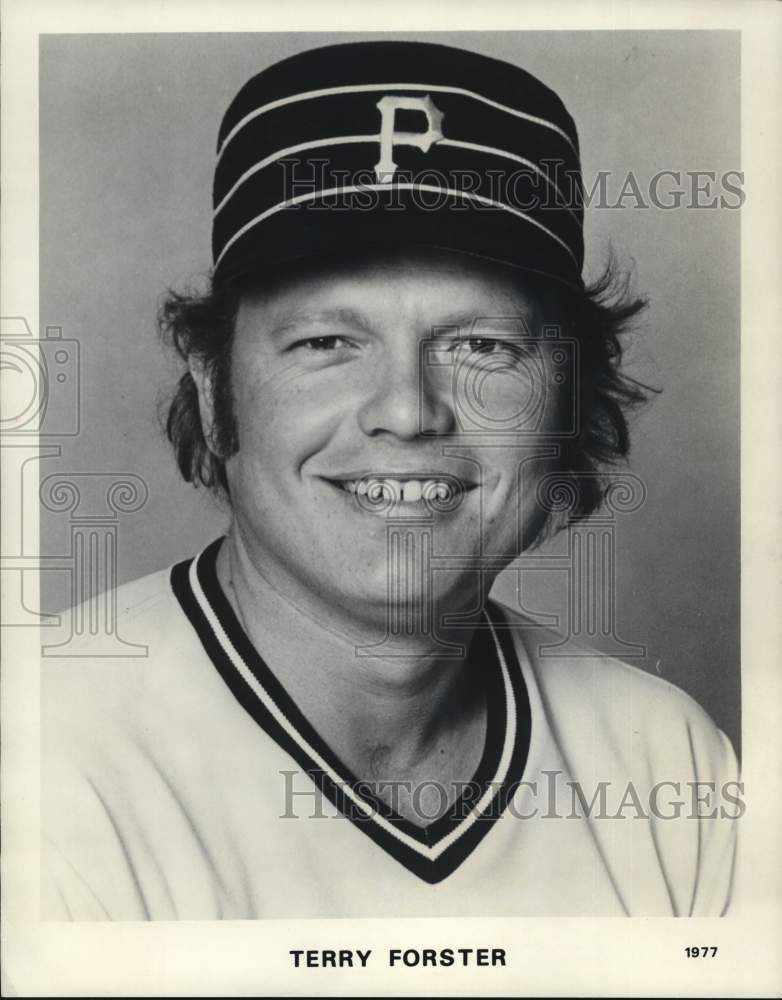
[408,491]
[376,489]
[411,491]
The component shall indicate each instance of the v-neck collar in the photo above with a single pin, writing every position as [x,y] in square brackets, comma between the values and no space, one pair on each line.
[432,852]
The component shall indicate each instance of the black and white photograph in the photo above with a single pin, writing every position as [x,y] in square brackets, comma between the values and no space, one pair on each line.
[375,472]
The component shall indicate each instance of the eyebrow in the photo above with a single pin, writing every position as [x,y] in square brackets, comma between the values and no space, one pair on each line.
[341,316]
[518,323]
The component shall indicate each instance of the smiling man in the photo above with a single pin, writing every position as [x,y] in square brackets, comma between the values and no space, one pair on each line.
[395,356]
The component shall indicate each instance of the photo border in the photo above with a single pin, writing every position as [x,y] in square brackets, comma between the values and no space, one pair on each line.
[552,956]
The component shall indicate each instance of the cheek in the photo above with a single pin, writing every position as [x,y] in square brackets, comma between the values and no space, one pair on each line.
[284,416]
[531,396]
[513,481]
[261,387]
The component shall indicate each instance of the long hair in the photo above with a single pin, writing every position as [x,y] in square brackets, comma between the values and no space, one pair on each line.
[599,318]
[200,326]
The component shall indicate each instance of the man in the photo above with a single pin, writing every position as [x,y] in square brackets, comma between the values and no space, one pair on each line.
[395,367]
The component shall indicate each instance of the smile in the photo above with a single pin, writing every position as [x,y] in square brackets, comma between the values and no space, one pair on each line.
[438,490]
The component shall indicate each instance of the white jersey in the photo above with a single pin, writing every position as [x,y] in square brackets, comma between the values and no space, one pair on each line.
[187,785]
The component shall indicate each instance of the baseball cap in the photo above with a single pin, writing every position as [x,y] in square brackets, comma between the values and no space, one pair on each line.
[395,143]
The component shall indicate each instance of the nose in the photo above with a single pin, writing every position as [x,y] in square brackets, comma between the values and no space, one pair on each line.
[403,400]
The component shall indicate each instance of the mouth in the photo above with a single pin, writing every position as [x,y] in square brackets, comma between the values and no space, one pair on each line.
[377,492]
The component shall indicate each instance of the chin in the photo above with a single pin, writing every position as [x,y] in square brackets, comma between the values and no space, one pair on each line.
[377,601]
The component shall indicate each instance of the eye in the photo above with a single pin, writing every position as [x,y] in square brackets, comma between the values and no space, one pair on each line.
[320,344]
[484,347]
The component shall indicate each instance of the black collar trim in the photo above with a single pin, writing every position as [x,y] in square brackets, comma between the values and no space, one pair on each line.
[433,852]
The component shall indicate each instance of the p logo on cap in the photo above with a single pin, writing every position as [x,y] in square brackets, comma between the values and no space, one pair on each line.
[389,138]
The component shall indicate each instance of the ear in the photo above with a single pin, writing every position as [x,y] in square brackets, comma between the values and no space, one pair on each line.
[202,376]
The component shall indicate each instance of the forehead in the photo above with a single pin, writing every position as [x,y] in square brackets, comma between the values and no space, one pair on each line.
[392,285]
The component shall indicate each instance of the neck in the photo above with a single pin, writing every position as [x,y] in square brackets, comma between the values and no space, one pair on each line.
[404,709]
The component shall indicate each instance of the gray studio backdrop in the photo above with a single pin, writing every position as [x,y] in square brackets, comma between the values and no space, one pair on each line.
[127,128]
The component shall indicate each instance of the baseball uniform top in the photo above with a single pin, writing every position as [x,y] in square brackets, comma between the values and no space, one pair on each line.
[186,784]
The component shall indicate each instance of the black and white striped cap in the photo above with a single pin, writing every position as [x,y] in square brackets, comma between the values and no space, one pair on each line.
[372,144]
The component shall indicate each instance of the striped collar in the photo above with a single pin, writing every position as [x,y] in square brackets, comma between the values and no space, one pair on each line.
[432,852]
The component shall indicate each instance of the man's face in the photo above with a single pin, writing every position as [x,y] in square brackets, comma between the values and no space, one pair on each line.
[363,387]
